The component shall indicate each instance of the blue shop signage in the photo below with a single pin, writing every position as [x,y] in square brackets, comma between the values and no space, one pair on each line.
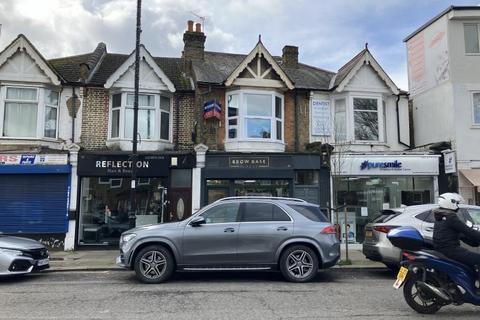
[394,165]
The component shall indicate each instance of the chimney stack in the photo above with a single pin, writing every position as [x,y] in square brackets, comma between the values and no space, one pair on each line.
[194,42]
[290,57]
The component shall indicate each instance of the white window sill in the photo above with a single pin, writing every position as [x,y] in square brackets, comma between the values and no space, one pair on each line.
[254,146]
[144,145]
[475,126]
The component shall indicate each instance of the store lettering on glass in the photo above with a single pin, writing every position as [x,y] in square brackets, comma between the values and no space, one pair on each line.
[120,166]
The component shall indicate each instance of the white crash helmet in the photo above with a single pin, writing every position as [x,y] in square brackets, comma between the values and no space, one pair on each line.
[450,201]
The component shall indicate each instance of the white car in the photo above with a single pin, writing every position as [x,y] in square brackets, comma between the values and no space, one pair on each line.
[377,247]
[21,256]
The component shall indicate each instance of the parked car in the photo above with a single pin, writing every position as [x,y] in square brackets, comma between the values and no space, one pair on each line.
[377,247]
[22,256]
[236,233]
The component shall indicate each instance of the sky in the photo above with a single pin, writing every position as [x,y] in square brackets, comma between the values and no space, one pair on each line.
[327,32]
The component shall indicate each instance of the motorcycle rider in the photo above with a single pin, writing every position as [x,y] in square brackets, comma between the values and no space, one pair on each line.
[449,230]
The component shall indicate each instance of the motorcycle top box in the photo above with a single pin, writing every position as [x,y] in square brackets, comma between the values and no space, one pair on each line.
[406,238]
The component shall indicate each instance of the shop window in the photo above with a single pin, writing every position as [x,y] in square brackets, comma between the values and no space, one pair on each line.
[154,117]
[365,114]
[471,38]
[262,187]
[23,109]
[105,207]
[476,108]
[306,177]
[181,178]
[255,115]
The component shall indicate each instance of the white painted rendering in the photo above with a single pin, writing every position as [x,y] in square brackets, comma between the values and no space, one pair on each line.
[366,82]
[124,75]
[444,111]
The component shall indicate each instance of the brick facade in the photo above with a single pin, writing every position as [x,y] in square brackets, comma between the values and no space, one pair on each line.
[185,115]
[94,119]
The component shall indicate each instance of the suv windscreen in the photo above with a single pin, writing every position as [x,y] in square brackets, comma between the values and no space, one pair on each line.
[254,212]
[310,212]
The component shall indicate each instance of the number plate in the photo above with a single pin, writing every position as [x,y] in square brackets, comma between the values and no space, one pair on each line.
[43,262]
[368,234]
[401,276]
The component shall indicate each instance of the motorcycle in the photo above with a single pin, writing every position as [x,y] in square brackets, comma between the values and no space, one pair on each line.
[430,280]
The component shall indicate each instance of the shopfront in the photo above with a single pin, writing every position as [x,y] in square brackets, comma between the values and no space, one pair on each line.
[34,195]
[163,193]
[369,184]
[285,175]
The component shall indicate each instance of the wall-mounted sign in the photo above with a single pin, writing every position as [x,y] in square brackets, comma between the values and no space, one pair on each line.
[385,165]
[320,118]
[33,159]
[98,165]
[249,162]
[362,165]
[450,162]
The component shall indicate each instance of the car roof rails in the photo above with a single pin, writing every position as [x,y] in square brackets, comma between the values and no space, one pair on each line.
[261,198]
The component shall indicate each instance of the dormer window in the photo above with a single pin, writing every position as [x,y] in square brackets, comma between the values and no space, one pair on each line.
[29,112]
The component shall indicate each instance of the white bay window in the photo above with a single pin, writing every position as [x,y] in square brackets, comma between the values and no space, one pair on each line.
[154,117]
[254,119]
[29,112]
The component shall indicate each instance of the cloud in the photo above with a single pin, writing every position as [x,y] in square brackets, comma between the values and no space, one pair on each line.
[328,32]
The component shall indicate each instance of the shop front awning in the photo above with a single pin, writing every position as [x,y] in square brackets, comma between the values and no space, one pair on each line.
[472,175]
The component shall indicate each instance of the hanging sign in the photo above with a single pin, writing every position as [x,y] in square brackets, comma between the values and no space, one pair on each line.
[320,118]
[450,162]
[212,109]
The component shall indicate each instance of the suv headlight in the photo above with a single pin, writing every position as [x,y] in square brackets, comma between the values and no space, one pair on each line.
[127,237]
[12,252]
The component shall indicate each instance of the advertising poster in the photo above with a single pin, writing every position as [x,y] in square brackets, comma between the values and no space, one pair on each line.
[321,118]
[351,227]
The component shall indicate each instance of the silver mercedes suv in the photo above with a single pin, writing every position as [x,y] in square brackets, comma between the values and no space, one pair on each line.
[235,233]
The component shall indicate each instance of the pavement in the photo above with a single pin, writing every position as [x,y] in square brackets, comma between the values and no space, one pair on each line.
[104,260]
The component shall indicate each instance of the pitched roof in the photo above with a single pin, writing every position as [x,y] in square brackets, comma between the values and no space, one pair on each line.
[22,41]
[218,66]
[69,68]
[346,72]
[347,67]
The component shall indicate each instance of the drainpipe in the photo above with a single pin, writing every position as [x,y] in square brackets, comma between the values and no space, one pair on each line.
[296,121]
[398,123]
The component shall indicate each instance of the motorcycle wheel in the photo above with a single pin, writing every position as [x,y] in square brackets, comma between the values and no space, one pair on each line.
[419,301]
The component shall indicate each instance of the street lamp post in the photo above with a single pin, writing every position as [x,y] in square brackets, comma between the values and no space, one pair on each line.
[134,155]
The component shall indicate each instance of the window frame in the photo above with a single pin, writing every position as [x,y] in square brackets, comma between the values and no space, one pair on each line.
[379,113]
[242,116]
[465,38]
[475,124]
[156,135]
[41,110]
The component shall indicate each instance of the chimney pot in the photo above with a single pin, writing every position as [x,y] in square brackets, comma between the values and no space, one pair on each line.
[198,27]
[190,25]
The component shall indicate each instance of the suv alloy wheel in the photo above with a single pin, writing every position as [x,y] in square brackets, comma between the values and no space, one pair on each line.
[154,264]
[299,264]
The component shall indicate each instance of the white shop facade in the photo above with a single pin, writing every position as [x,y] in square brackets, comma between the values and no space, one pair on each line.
[368,184]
